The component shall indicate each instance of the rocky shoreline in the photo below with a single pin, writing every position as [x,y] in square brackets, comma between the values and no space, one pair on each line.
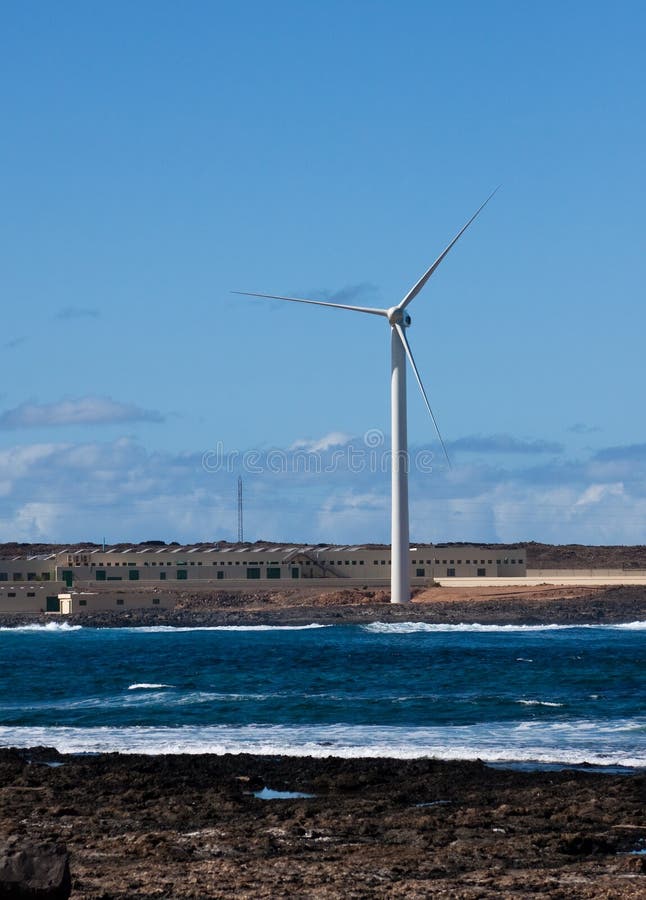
[503,606]
[140,827]
[197,826]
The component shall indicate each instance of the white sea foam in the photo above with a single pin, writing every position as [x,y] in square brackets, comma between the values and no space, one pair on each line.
[538,703]
[179,629]
[593,741]
[49,627]
[414,627]
[148,686]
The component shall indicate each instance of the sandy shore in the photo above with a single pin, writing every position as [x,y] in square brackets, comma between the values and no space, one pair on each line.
[192,827]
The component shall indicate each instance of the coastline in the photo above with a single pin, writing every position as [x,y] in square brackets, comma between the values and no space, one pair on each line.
[539,605]
[195,827]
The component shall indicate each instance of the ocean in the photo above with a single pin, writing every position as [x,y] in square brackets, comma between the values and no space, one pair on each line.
[536,695]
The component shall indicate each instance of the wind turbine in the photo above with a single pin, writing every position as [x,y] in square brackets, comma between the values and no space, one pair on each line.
[399,321]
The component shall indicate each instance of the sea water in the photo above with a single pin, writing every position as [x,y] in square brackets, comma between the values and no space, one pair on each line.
[542,694]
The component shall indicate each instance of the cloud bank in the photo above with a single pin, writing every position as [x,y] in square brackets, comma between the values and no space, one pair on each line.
[340,493]
[83,411]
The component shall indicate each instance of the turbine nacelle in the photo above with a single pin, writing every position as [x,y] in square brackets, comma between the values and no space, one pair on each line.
[397,316]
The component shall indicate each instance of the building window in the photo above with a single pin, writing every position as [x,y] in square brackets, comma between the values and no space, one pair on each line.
[31,593]
[11,593]
[31,576]
[82,602]
[155,601]
[253,572]
[17,576]
[482,572]
[133,575]
[4,576]
[182,574]
[273,572]
[220,574]
[119,601]
[450,573]
[420,573]
[162,576]
[99,574]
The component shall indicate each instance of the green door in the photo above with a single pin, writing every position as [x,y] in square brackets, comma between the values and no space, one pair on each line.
[68,577]
[295,572]
[52,604]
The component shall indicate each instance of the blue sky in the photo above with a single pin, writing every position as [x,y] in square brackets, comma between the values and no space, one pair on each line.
[157,155]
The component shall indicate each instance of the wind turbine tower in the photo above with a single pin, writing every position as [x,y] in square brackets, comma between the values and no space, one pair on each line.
[240,523]
[399,321]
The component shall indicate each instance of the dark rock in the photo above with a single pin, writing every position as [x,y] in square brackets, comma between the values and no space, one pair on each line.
[34,871]
[586,844]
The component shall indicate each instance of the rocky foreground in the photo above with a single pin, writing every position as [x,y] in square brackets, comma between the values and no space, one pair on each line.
[193,827]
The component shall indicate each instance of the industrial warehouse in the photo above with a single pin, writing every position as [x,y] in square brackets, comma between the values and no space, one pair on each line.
[98,578]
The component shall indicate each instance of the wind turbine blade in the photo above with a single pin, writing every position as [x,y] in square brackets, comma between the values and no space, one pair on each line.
[414,291]
[363,309]
[411,360]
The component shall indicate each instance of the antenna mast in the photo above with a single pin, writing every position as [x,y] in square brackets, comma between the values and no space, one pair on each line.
[240,528]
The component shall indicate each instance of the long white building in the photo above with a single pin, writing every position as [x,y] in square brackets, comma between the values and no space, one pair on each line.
[33,582]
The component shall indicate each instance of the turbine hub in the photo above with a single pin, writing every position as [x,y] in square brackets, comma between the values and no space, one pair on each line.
[397,316]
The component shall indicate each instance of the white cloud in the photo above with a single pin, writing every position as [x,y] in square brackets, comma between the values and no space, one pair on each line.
[320,445]
[83,411]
